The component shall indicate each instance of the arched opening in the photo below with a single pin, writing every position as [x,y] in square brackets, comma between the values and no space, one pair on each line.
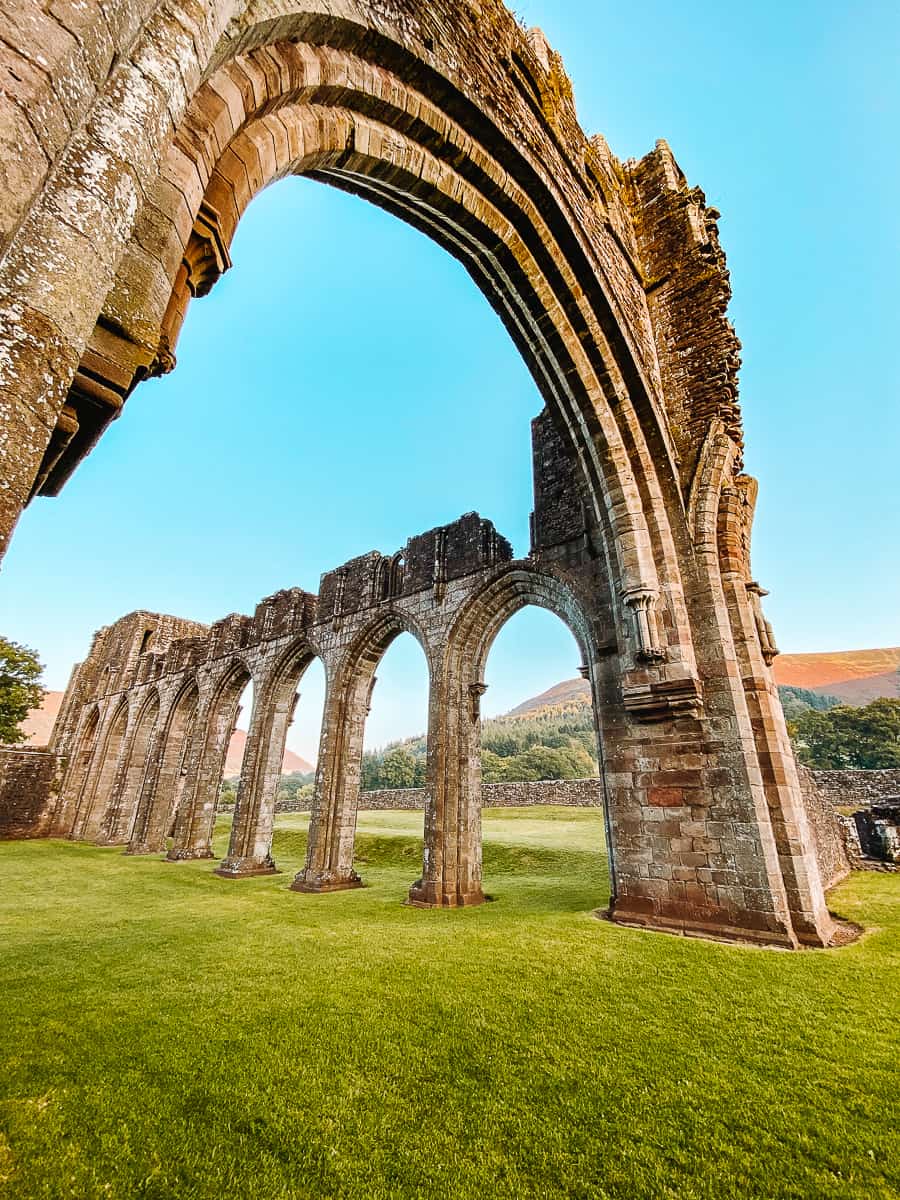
[297,784]
[393,775]
[541,791]
[250,847]
[164,781]
[352,684]
[103,773]
[192,829]
[78,774]
[127,789]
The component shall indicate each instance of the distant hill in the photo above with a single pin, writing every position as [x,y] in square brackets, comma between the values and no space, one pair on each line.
[570,691]
[289,764]
[39,725]
[852,676]
[39,722]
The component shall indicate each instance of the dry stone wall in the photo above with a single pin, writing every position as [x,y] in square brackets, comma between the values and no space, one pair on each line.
[567,793]
[830,842]
[855,789]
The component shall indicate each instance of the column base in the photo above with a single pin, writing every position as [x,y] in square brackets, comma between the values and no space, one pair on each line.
[315,884]
[188,853]
[429,895]
[143,849]
[708,924]
[246,868]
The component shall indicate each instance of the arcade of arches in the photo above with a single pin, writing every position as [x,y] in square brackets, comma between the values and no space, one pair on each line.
[143,131]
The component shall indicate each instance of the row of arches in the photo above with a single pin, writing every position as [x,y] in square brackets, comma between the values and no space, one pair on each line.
[148,766]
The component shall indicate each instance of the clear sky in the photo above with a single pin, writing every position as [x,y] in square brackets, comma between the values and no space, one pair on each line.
[346,386]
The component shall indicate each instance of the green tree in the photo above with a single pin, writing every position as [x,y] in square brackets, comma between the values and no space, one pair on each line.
[20,690]
[865,739]
[398,770]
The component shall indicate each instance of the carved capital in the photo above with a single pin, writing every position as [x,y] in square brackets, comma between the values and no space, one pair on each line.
[642,604]
[476,691]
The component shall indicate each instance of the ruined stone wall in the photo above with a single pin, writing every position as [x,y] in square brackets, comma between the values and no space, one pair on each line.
[854,789]
[566,793]
[30,782]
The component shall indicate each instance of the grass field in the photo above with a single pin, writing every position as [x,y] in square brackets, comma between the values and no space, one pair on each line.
[165,1033]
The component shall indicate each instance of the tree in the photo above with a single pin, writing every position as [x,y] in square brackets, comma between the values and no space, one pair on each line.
[865,739]
[20,691]
[398,770]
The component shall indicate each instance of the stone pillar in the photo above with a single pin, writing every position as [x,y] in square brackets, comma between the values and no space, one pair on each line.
[332,827]
[250,848]
[781,781]
[451,868]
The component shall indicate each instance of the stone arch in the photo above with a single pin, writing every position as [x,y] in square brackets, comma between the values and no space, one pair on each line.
[271,112]
[168,763]
[195,817]
[85,741]
[452,865]
[350,672]
[250,845]
[101,789]
[98,788]
[118,825]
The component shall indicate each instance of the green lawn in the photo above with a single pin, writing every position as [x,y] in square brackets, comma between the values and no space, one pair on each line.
[165,1033]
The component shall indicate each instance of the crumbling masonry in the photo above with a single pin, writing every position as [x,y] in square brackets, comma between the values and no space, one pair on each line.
[137,134]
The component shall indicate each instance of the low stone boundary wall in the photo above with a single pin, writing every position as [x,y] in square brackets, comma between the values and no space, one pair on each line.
[567,793]
[831,848]
[29,789]
[856,789]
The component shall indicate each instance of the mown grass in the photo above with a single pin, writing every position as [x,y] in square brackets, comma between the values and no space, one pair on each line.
[165,1033]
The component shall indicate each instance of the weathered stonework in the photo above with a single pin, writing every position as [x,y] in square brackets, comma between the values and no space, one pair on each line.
[854,789]
[30,782]
[141,134]
[828,835]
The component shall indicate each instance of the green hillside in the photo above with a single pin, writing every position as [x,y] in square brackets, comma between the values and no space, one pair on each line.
[553,742]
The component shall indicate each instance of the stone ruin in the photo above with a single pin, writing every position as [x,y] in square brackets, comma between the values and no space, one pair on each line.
[142,131]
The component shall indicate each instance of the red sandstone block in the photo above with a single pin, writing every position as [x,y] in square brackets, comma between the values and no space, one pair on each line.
[665,797]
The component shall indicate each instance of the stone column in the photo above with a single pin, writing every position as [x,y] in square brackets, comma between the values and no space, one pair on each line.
[250,848]
[332,827]
[451,868]
[810,918]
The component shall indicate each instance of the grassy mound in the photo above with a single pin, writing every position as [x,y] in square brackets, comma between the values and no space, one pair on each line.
[165,1033]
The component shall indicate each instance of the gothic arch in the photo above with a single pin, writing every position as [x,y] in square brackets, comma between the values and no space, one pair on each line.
[350,673]
[250,845]
[98,787]
[121,814]
[167,770]
[195,813]
[78,777]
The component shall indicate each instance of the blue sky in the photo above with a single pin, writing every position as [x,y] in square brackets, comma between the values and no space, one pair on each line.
[346,386]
